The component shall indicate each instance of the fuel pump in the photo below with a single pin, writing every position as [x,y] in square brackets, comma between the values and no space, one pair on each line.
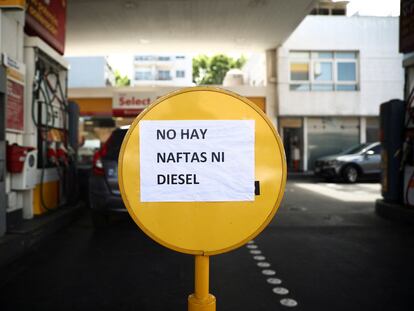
[397,130]
[407,162]
[3,204]
[47,91]
[392,115]
[49,102]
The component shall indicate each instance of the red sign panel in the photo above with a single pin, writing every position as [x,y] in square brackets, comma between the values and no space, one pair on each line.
[126,112]
[407,26]
[47,19]
[15,106]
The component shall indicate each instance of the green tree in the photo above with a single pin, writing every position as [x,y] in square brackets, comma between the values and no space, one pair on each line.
[212,70]
[121,80]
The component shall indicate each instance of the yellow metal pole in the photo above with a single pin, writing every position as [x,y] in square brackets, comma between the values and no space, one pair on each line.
[202,300]
[202,271]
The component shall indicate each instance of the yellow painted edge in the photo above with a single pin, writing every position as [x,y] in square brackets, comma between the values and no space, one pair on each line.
[281,190]
[51,193]
[13,4]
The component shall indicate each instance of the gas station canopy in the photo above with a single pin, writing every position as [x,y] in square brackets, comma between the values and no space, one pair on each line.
[130,26]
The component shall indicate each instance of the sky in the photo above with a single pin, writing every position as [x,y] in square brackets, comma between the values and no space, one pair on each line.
[374,7]
[123,63]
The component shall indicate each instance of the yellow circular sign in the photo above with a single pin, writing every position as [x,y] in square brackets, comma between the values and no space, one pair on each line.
[202,171]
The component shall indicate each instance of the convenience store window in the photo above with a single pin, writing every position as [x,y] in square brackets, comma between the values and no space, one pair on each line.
[372,129]
[330,135]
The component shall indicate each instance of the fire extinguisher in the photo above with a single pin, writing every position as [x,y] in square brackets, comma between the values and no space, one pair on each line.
[16,156]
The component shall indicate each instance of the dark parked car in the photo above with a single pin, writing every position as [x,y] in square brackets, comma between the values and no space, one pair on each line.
[351,164]
[104,194]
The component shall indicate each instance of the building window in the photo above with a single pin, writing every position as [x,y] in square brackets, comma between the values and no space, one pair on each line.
[323,11]
[180,57]
[328,11]
[164,58]
[346,72]
[164,75]
[143,75]
[323,71]
[140,58]
[180,74]
[338,12]
[299,71]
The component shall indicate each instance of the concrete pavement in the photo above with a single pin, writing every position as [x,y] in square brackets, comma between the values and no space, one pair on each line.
[321,252]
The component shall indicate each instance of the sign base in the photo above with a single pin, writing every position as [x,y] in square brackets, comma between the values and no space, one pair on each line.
[195,304]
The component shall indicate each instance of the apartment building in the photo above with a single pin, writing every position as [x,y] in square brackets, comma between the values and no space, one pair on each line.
[162,70]
[331,76]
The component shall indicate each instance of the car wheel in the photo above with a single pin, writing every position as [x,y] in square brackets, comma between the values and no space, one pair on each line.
[99,220]
[350,174]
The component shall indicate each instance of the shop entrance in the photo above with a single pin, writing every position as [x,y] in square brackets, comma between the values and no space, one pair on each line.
[292,133]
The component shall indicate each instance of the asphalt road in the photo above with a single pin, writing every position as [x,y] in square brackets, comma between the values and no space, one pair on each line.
[325,250]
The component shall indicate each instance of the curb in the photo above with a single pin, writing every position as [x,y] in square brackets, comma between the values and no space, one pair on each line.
[395,212]
[302,176]
[21,240]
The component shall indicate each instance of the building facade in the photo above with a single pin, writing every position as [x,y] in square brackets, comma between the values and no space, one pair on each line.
[162,70]
[90,72]
[331,76]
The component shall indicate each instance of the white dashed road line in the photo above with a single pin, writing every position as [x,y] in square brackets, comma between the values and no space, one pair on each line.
[274,281]
[263,264]
[288,302]
[278,290]
[255,252]
[268,272]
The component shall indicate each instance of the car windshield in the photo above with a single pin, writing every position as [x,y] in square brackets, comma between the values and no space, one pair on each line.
[355,149]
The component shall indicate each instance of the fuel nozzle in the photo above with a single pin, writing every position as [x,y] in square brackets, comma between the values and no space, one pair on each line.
[51,154]
[62,154]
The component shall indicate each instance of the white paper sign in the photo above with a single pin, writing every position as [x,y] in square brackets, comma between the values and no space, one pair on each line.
[197,161]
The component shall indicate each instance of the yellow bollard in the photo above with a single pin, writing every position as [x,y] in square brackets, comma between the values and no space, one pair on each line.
[201,300]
